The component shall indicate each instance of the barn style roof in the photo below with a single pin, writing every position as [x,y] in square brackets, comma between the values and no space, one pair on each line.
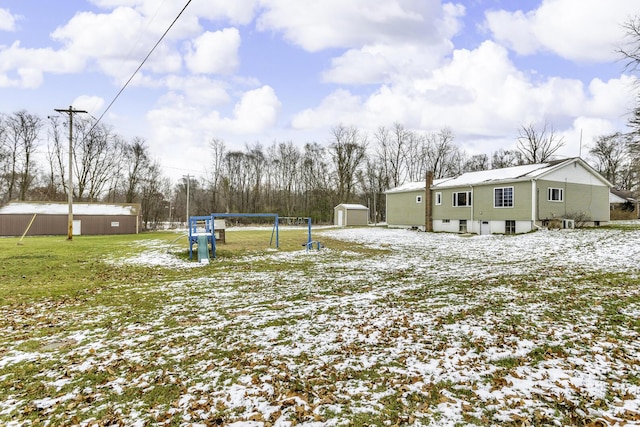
[56,208]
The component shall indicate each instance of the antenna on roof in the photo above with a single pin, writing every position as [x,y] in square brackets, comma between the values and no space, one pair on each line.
[580,151]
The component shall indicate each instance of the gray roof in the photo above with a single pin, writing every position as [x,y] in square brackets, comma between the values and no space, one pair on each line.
[510,174]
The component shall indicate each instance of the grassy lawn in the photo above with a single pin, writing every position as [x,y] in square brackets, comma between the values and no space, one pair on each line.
[381,327]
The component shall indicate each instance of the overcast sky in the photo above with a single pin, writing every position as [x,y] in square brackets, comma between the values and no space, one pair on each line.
[279,70]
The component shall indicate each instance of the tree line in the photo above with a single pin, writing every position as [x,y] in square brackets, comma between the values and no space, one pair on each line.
[283,177]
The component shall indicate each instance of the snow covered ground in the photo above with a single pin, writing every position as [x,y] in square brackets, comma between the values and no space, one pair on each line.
[416,329]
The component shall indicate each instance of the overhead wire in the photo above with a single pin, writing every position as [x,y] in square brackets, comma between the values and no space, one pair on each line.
[140,66]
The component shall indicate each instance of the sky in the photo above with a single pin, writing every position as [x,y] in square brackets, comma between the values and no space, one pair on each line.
[250,71]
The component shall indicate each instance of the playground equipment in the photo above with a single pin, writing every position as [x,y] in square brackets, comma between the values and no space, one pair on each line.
[201,234]
[310,243]
[205,230]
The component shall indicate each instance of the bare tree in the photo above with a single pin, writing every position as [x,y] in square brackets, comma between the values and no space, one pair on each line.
[22,133]
[629,51]
[285,159]
[137,163]
[348,151]
[4,157]
[392,150]
[217,147]
[506,158]
[97,156]
[153,188]
[477,162]
[611,156]
[443,157]
[538,145]
[316,182]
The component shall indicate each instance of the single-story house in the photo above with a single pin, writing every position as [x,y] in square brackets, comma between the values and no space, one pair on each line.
[621,200]
[346,214]
[511,200]
[52,218]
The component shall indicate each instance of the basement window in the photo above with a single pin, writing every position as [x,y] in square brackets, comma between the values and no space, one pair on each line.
[509,227]
[446,221]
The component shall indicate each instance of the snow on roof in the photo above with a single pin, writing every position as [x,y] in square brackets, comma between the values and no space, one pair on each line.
[352,206]
[51,208]
[414,186]
[513,173]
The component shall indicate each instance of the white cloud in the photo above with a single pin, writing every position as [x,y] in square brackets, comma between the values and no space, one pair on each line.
[214,52]
[383,63]
[237,12]
[117,41]
[588,30]
[30,64]
[7,20]
[199,90]
[90,103]
[257,110]
[481,96]
[336,23]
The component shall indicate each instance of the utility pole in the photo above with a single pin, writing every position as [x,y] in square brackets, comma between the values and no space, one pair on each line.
[70,111]
[188,185]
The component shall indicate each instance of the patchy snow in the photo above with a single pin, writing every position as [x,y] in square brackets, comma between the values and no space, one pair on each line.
[419,329]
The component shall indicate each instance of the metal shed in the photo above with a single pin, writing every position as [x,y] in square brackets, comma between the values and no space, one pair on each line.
[346,214]
[51,218]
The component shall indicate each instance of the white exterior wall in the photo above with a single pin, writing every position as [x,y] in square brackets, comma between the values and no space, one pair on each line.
[452,227]
[497,227]
[574,173]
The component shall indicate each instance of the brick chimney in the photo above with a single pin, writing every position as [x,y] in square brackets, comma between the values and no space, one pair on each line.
[428,204]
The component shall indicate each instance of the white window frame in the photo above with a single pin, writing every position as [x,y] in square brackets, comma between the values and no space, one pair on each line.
[455,199]
[446,221]
[550,194]
[418,199]
[503,205]
[438,198]
[506,228]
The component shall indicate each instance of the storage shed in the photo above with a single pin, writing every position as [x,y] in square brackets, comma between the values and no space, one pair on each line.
[52,218]
[346,214]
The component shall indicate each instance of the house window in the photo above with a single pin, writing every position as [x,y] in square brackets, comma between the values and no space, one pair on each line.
[503,197]
[446,221]
[418,199]
[438,198]
[556,194]
[510,227]
[463,226]
[462,198]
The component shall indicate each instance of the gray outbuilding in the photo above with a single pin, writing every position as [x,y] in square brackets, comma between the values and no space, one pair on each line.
[347,214]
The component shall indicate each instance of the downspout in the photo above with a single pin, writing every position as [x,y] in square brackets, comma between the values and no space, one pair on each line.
[535,208]
[472,202]
[428,209]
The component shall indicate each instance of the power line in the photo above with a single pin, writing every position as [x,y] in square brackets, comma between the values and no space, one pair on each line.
[140,66]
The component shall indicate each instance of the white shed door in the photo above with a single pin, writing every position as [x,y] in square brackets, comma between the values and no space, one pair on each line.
[77,227]
[340,218]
